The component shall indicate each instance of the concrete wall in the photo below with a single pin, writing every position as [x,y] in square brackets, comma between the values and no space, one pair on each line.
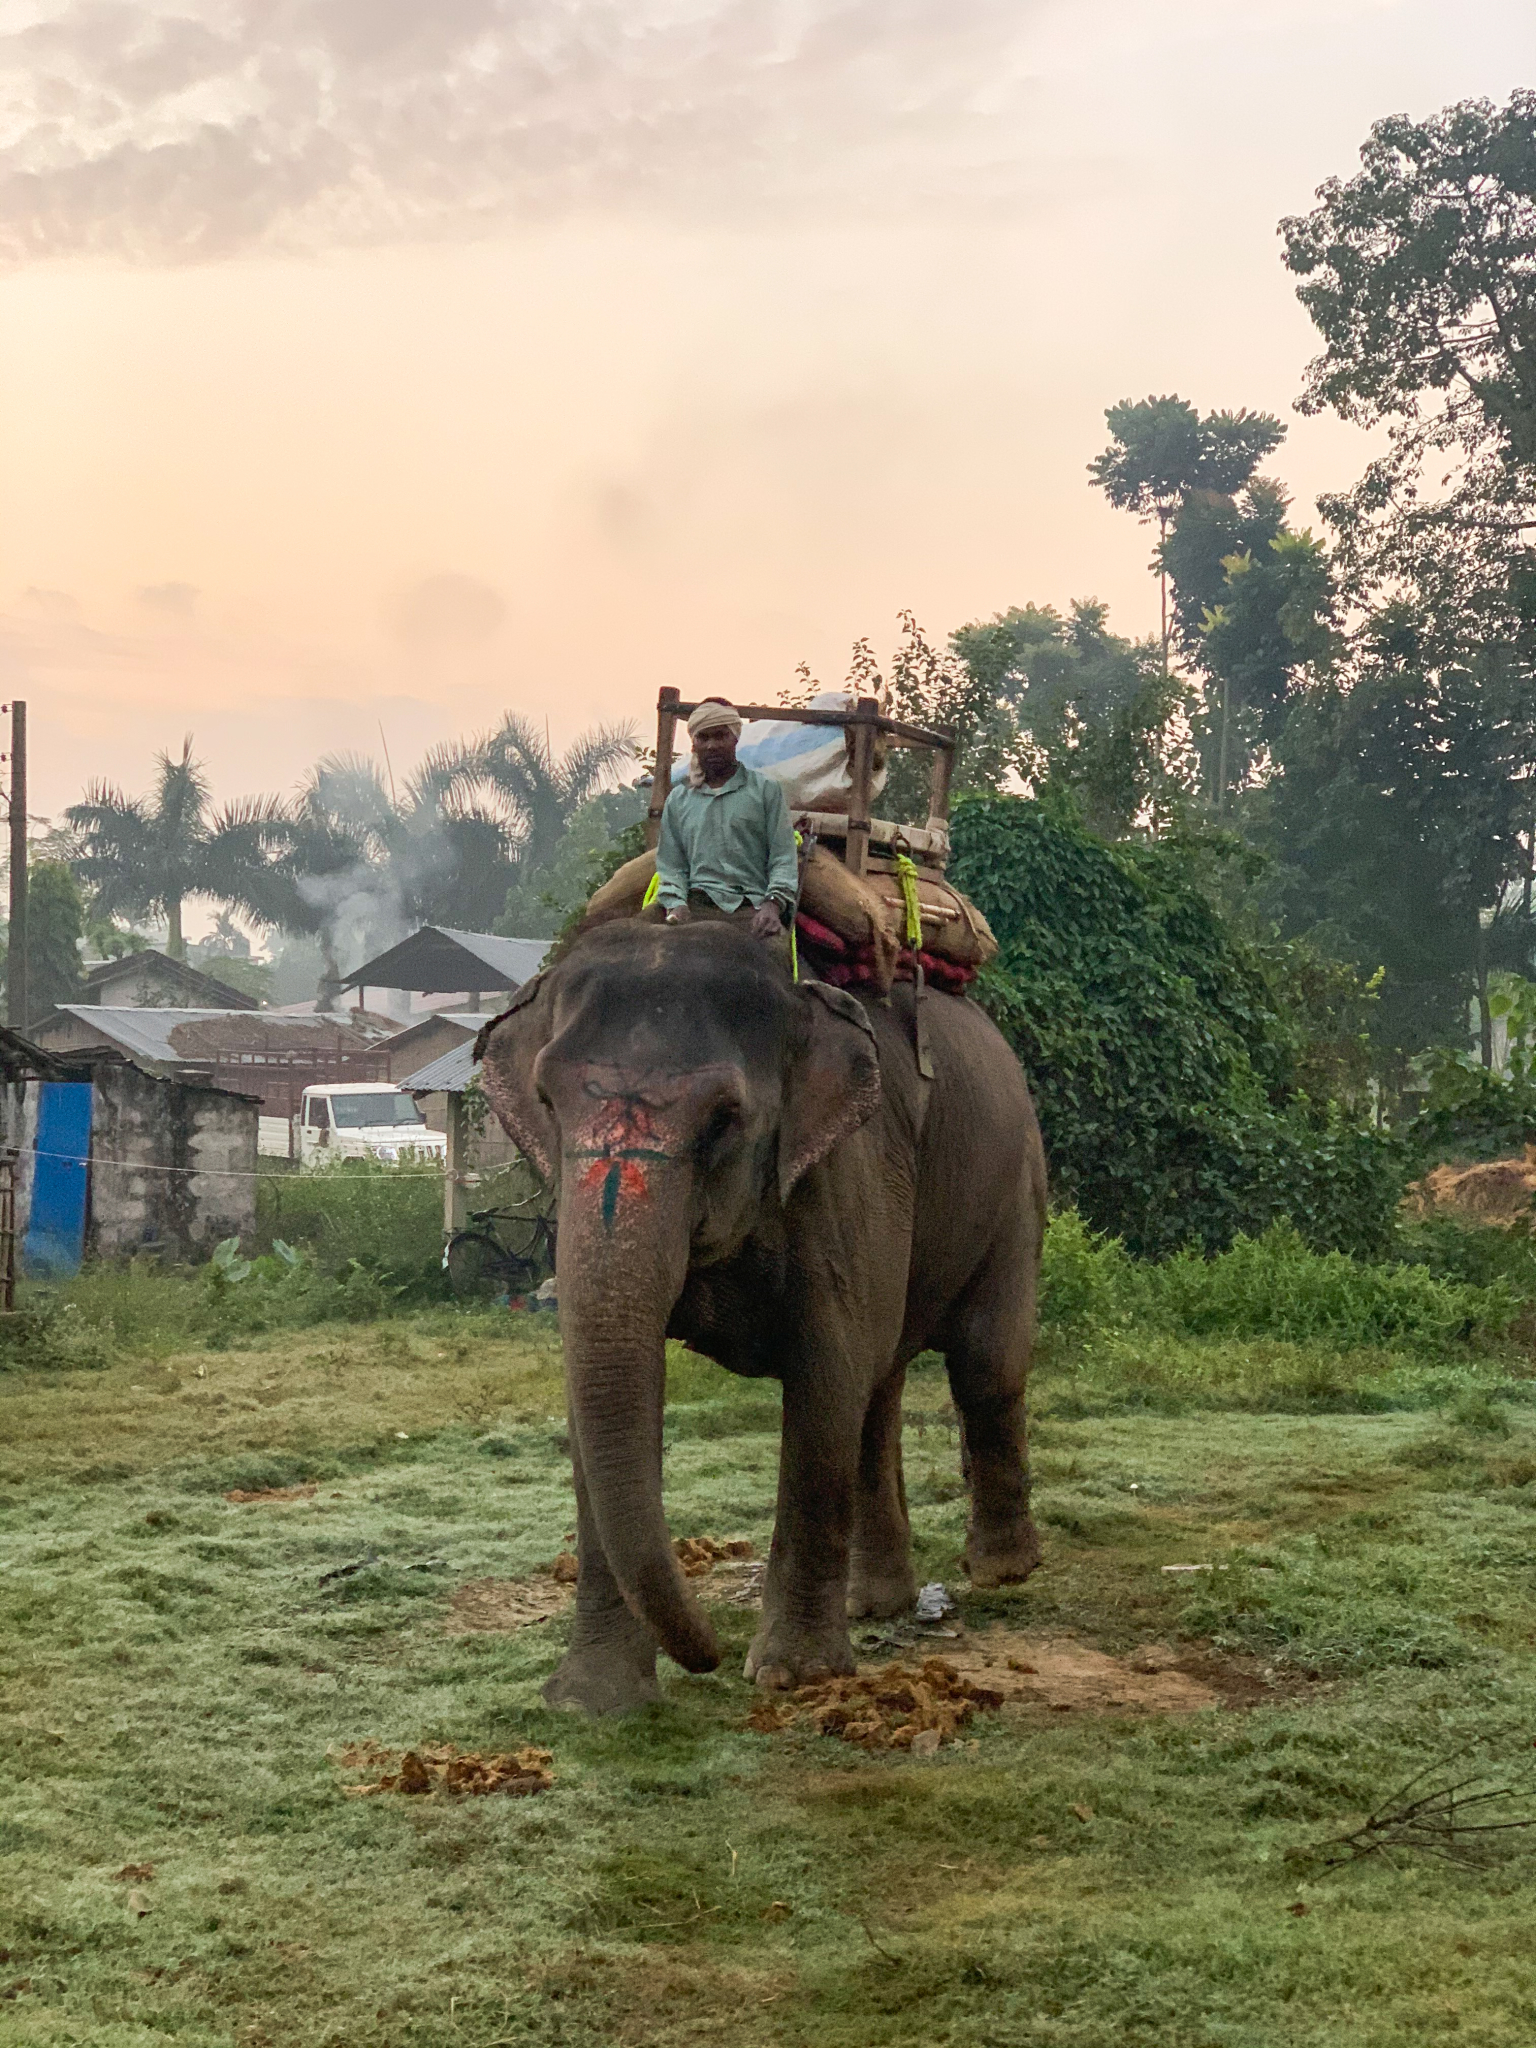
[139,1128]
[172,1167]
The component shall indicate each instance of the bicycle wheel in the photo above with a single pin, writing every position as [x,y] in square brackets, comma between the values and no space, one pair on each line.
[523,1234]
[477,1267]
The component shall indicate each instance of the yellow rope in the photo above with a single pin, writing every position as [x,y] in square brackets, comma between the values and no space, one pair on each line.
[906,869]
[651,887]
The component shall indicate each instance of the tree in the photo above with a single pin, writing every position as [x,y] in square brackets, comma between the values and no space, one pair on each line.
[1420,274]
[1095,714]
[55,926]
[1400,822]
[1163,455]
[145,856]
[534,793]
[1163,1062]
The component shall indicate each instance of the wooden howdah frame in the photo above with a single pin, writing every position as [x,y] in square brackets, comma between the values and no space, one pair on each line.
[864,721]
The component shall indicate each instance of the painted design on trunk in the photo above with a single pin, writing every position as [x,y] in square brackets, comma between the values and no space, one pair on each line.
[623,1135]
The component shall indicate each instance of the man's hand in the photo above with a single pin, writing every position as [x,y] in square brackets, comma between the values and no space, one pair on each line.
[679,916]
[766,922]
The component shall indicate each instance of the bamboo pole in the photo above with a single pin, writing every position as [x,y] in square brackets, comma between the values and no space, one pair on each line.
[667,709]
[865,719]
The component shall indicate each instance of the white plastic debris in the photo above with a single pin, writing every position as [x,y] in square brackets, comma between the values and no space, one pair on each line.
[934,1603]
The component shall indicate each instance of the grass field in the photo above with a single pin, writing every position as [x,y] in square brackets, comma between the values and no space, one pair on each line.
[176,1678]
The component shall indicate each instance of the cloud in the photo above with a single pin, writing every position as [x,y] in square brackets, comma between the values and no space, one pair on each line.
[446,611]
[175,130]
[179,599]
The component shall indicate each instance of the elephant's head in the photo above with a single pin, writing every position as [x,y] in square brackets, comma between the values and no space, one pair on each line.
[675,1085]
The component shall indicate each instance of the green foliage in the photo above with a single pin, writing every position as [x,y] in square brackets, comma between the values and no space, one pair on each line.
[1161,451]
[543,899]
[1420,274]
[144,856]
[360,1215]
[1162,1065]
[1399,821]
[47,1334]
[1471,1112]
[1273,1286]
[1094,711]
[55,926]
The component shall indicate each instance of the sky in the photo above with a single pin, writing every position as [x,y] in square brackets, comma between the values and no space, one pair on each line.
[367,368]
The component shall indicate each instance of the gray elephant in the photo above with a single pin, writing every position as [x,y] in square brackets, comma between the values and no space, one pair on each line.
[757,1167]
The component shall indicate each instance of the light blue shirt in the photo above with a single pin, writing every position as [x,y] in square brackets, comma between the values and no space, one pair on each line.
[735,844]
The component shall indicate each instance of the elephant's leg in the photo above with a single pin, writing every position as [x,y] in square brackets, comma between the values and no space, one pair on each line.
[988,1360]
[881,1580]
[803,1634]
[610,1666]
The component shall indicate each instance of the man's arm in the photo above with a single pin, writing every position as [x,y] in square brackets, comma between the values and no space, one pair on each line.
[671,859]
[783,859]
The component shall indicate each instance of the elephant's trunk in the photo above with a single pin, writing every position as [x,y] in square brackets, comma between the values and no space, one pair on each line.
[619,1278]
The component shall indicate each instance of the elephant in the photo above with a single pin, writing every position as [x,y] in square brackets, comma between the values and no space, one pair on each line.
[755,1165]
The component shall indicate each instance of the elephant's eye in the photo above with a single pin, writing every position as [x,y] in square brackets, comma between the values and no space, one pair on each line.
[723,1123]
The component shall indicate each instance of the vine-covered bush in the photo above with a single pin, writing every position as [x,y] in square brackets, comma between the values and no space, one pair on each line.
[1162,1064]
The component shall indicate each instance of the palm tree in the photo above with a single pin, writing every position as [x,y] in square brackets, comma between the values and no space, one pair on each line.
[144,856]
[535,794]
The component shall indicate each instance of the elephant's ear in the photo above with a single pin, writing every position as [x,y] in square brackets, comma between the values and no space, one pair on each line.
[507,1049]
[834,1084]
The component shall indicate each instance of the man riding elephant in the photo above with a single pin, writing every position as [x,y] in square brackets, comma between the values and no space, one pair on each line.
[757,1167]
[727,848]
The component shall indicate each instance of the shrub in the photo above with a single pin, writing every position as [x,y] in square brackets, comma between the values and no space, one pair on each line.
[385,1221]
[1162,1064]
[1273,1286]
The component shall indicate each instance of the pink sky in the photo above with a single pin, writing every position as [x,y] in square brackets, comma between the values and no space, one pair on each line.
[367,364]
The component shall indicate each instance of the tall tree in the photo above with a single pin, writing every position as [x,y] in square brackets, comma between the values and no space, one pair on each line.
[1399,818]
[145,856]
[1163,455]
[534,792]
[1420,274]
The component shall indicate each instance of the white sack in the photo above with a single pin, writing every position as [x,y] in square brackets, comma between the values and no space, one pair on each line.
[810,761]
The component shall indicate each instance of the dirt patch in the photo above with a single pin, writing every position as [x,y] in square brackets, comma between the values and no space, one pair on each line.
[1068,1677]
[443,1768]
[497,1606]
[896,1707]
[270,1496]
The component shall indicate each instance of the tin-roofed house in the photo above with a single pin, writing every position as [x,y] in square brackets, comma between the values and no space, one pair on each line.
[263,1053]
[108,1156]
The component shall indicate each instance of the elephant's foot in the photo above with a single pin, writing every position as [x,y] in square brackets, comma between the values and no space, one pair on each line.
[1001,1560]
[881,1595]
[604,1678]
[783,1656]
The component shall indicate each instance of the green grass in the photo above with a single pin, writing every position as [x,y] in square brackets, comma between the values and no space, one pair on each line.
[176,1672]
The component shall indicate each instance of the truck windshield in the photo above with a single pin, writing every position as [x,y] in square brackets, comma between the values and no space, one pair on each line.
[352,1112]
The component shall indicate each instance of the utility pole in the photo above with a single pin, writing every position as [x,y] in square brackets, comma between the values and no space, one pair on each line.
[16,976]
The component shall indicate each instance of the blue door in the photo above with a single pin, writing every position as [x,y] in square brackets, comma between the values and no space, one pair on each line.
[56,1226]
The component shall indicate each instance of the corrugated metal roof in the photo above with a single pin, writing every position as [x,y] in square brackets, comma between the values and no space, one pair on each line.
[449,1074]
[438,959]
[147,1034]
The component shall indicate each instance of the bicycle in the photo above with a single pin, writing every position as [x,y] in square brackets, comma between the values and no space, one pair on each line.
[502,1251]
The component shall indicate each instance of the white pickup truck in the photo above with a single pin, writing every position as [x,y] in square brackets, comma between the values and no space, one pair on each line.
[363,1120]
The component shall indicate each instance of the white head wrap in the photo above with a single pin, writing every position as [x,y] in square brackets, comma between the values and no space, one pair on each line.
[711,717]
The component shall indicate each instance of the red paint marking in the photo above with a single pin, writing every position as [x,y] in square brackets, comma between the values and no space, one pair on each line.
[631,1177]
